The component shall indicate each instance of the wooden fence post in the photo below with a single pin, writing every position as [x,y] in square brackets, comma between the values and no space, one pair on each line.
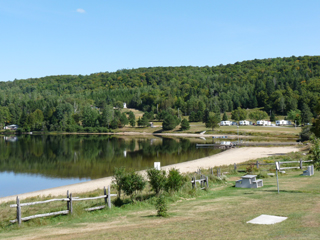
[70,204]
[105,193]
[109,197]
[207,180]
[195,184]
[211,171]
[235,167]
[257,164]
[300,163]
[18,211]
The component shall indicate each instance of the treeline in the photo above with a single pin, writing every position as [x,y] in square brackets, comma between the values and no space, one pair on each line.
[59,103]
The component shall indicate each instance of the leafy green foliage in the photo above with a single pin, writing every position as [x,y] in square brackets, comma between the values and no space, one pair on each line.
[157,179]
[258,115]
[279,84]
[119,174]
[161,206]
[224,117]
[170,122]
[239,114]
[175,180]
[213,121]
[131,183]
[185,125]
[315,153]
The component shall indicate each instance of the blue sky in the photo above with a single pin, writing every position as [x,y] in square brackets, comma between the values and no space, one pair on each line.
[53,37]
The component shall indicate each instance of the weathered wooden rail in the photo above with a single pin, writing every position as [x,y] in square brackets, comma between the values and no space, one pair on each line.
[204,182]
[69,199]
[258,164]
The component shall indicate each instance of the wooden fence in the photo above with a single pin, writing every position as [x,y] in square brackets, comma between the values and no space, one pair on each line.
[258,164]
[69,199]
[204,182]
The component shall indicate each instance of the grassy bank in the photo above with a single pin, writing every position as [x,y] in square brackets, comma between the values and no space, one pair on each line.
[220,212]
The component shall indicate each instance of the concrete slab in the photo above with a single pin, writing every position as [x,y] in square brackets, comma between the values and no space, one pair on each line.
[267,219]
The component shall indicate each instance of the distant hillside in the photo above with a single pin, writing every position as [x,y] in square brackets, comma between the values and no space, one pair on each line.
[278,84]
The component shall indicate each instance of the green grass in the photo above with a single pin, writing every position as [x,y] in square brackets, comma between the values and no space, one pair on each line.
[220,212]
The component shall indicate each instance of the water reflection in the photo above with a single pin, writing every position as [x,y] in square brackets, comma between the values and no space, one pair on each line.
[92,156]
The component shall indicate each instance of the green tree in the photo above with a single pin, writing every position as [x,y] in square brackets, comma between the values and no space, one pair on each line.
[4,116]
[133,182]
[169,122]
[174,180]
[306,114]
[107,116]
[123,120]
[225,117]
[295,116]
[132,119]
[119,174]
[213,121]
[185,125]
[239,114]
[258,115]
[272,117]
[315,153]
[161,206]
[157,179]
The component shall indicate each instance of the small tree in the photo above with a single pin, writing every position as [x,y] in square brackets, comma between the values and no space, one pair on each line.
[157,179]
[258,115]
[185,124]
[315,151]
[132,183]
[213,121]
[239,114]
[132,119]
[119,174]
[225,117]
[169,122]
[161,206]
[174,181]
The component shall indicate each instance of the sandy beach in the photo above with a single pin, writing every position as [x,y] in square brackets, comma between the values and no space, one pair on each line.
[235,155]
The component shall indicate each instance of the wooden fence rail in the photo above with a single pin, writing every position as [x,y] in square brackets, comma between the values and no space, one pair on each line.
[69,199]
[203,181]
[258,164]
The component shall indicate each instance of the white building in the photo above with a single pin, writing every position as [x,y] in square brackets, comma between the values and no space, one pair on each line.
[263,123]
[283,122]
[11,127]
[244,123]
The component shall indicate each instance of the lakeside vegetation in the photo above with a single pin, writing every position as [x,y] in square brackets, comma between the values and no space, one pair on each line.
[221,211]
[282,86]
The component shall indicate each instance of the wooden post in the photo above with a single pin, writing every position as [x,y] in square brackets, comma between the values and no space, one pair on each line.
[235,167]
[300,163]
[105,193]
[257,164]
[18,211]
[70,204]
[219,172]
[211,171]
[195,184]
[207,180]
[109,197]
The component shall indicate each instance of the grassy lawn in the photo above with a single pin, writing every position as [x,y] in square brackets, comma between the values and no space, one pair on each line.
[221,212]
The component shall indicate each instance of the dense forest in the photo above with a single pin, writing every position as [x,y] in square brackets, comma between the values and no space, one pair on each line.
[71,103]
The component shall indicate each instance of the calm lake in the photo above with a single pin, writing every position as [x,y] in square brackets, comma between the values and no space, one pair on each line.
[30,163]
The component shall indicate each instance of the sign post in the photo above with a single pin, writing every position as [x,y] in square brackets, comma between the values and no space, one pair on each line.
[277,169]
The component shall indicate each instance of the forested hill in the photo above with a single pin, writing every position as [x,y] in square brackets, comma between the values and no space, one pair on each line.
[278,84]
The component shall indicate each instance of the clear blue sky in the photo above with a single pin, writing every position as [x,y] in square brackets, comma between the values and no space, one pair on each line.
[54,37]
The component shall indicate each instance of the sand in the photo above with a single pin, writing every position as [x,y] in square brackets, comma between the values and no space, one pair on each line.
[235,155]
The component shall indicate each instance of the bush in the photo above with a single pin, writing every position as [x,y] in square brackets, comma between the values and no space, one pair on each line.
[175,180]
[157,179]
[185,125]
[119,174]
[161,206]
[131,183]
[263,175]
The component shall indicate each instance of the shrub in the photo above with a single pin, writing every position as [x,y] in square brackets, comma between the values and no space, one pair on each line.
[157,179]
[175,180]
[185,125]
[161,206]
[119,174]
[263,175]
[131,183]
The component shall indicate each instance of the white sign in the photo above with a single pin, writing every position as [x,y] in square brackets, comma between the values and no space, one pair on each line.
[277,166]
[157,165]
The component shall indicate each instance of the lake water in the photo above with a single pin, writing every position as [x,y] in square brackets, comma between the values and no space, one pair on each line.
[30,163]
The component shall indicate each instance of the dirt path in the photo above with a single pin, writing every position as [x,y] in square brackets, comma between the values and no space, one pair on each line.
[231,156]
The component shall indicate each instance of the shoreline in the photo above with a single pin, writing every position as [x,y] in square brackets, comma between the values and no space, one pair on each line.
[231,156]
